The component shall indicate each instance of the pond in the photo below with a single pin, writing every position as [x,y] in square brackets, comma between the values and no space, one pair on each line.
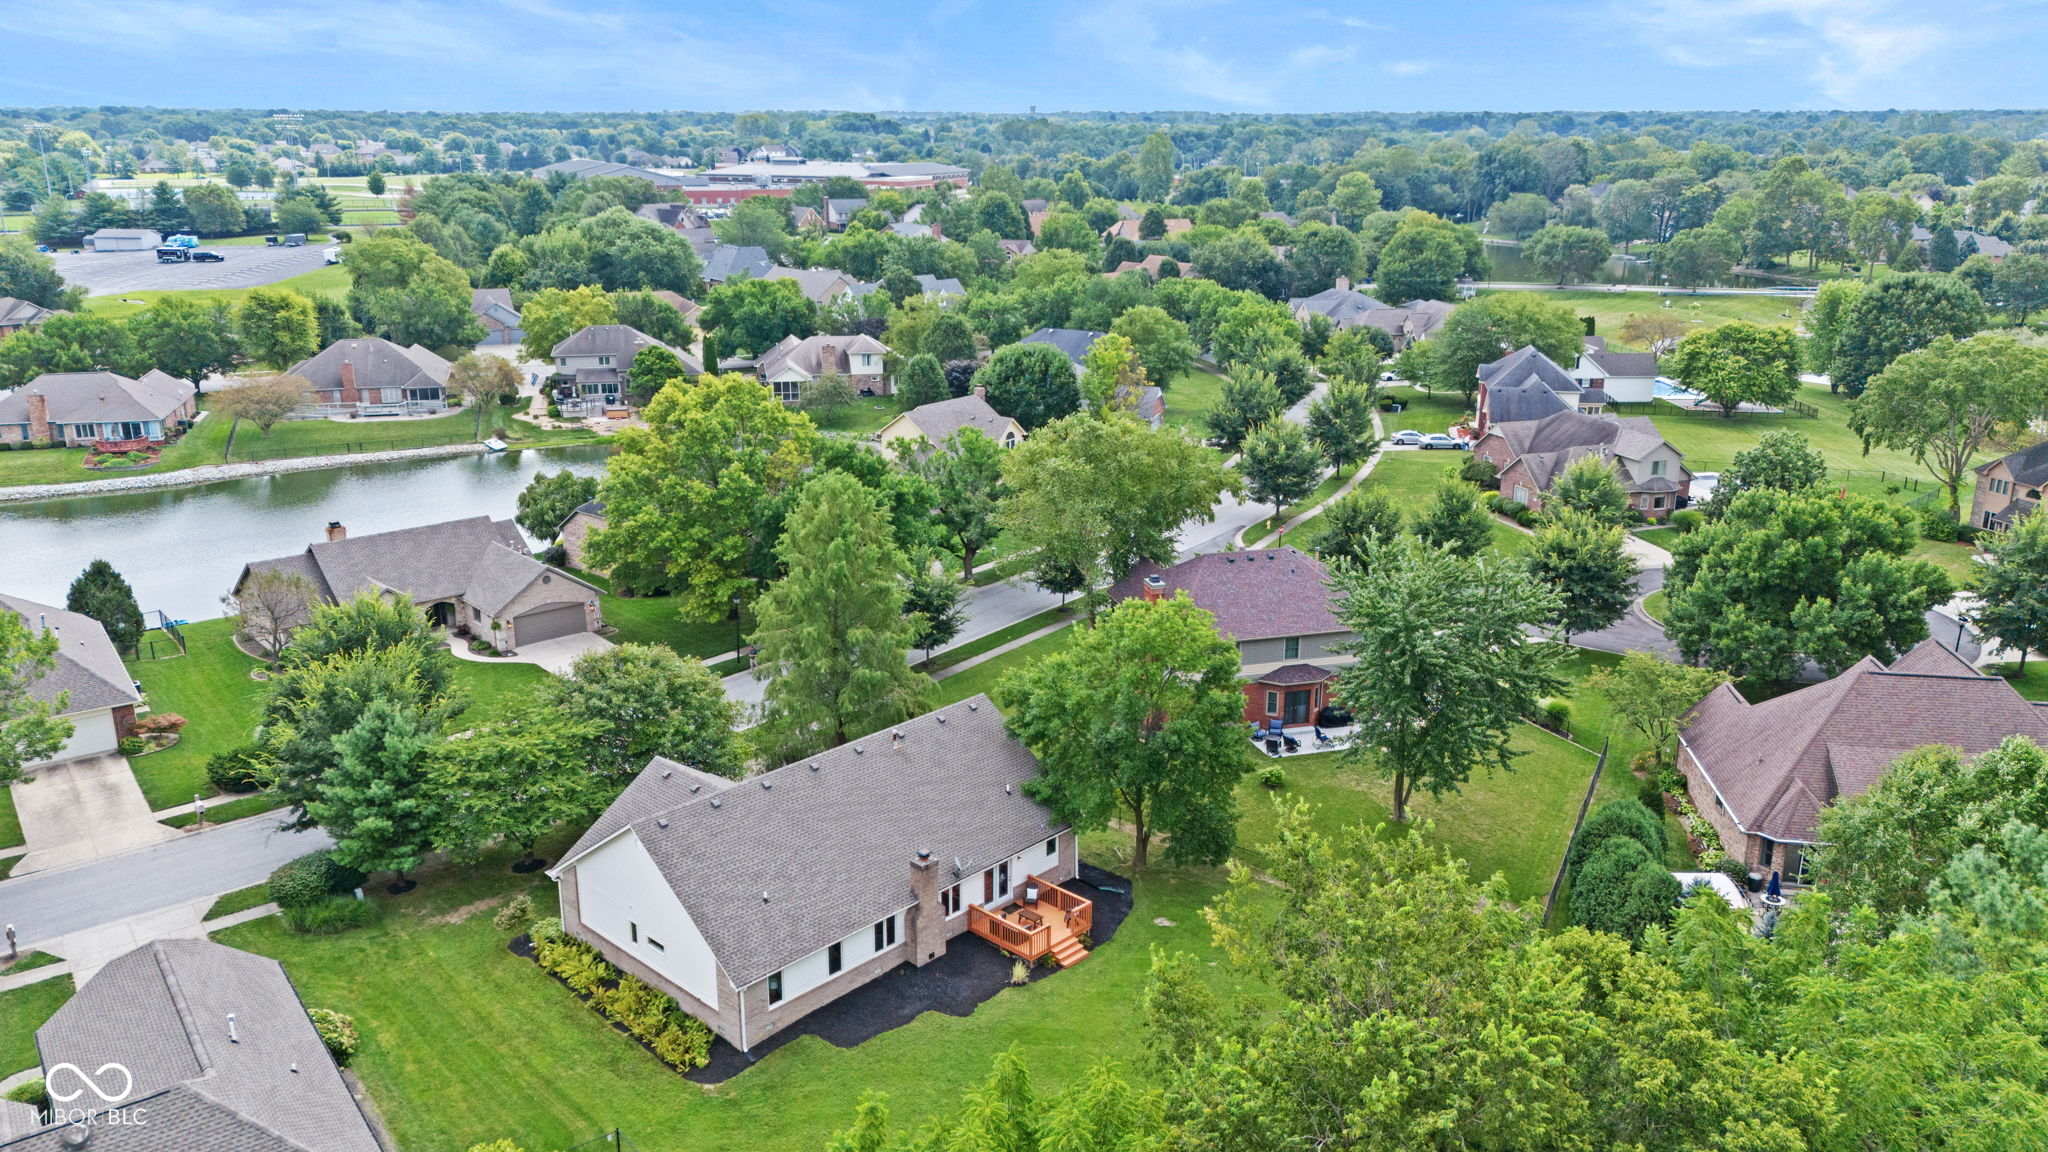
[1509,266]
[181,548]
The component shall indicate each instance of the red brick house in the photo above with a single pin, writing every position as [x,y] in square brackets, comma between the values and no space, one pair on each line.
[1761,773]
[1529,455]
[373,372]
[1276,605]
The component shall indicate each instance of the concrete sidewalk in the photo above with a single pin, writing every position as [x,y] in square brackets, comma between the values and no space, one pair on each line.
[84,810]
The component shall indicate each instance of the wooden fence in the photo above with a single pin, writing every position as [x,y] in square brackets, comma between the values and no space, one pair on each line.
[1585,803]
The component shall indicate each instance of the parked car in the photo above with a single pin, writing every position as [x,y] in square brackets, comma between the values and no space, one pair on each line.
[1440,440]
[1406,436]
[1387,377]
[206,256]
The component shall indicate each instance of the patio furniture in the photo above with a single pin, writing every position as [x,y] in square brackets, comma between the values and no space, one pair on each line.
[1030,919]
[1030,894]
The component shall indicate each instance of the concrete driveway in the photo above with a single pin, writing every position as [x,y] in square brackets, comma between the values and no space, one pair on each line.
[84,810]
[245,266]
[549,655]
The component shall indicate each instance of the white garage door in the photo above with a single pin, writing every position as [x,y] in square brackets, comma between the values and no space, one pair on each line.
[547,623]
[91,733]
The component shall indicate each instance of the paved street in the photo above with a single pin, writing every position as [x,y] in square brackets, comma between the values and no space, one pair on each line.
[245,266]
[198,865]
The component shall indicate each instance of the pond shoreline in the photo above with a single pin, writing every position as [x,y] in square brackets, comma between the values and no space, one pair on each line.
[210,473]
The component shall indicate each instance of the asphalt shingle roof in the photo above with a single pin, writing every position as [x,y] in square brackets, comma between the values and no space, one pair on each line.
[482,560]
[830,840]
[88,667]
[376,363]
[92,397]
[1254,595]
[1776,764]
[1075,342]
[939,420]
[727,261]
[15,312]
[2029,466]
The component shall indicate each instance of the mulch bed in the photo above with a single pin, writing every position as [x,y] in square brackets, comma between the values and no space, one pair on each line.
[971,971]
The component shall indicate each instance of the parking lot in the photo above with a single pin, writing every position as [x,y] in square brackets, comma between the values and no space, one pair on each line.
[245,266]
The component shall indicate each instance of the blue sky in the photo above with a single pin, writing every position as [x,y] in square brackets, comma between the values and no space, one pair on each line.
[980,55]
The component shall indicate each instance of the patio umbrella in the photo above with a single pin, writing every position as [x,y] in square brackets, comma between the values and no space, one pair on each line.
[1772,889]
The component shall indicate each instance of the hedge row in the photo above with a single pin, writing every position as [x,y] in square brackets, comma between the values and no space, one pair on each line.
[676,1037]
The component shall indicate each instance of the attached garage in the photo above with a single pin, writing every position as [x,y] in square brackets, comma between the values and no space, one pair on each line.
[548,622]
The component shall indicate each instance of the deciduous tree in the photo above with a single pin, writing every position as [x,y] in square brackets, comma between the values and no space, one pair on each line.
[1738,363]
[1032,384]
[555,314]
[1568,253]
[549,499]
[1453,520]
[272,605]
[277,327]
[1589,487]
[31,727]
[1340,424]
[1895,316]
[1652,695]
[2012,590]
[376,800]
[1583,560]
[513,780]
[1350,528]
[263,401]
[966,475]
[643,701]
[1943,403]
[1248,400]
[1280,466]
[1163,345]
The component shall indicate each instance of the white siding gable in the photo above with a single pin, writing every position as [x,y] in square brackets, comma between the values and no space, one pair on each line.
[622,894]
[857,949]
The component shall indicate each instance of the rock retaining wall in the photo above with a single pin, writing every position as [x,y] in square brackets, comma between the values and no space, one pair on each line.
[208,473]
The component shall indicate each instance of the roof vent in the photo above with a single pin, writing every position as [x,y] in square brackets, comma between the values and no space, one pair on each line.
[76,1136]
[764,897]
[767,784]
[717,803]
[859,751]
[666,773]
[942,718]
[973,706]
[815,766]
[696,787]
[1008,789]
[661,822]
[232,1038]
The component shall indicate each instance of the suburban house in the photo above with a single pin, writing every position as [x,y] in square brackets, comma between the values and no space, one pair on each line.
[1150,404]
[781,174]
[1616,377]
[103,409]
[790,365]
[1347,307]
[595,364]
[574,534]
[803,217]
[1276,605]
[493,307]
[677,215]
[217,1051]
[819,285]
[939,287]
[1344,305]
[1017,247]
[2009,487]
[935,423]
[123,240]
[1968,242]
[1527,385]
[755,902]
[371,373]
[99,695]
[1761,773]
[16,315]
[1152,266]
[912,229]
[840,212]
[728,261]
[1529,455]
[473,574]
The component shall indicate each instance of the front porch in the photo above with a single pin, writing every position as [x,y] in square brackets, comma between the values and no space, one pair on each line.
[1044,920]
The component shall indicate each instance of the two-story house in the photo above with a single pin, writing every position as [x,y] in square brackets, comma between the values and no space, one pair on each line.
[2009,487]
[1529,455]
[1277,606]
[1622,377]
[790,365]
[595,364]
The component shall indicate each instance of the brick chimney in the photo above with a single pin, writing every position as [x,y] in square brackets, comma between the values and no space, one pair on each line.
[1343,283]
[336,532]
[38,417]
[981,390]
[828,358]
[925,925]
[1154,588]
[348,382]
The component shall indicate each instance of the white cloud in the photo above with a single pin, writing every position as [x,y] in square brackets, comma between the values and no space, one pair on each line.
[1855,52]
[1133,35]
[1410,67]
[1318,55]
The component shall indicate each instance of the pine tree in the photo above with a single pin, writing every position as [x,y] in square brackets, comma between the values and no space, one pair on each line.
[101,593]
[376,800]
[833,633]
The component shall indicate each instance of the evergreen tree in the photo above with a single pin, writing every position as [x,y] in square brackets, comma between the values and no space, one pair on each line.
[921,382]
[1585,562]
[833,635]
[1453,519]
[101,593]
[377,800]
[948,338]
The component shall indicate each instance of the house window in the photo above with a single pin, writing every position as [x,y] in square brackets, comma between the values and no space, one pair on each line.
[988,887]
[476,615]
[1290,648]
[775,988]
[788,391]
[1003,878]
[832,960]
[1052,846]
[604,361]
[634,928]
[1657,502]
[657,944]
[1656,467]
[1521,494]
[1272,703]
[949,901]
[885,933]
[1766,858]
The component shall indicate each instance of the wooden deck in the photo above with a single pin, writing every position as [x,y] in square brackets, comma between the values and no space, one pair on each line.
[1052,927]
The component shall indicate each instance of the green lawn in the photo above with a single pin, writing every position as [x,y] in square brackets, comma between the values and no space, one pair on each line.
[1321,492]
[1189,396]
[1955,559]
[1662,537]
[327,280]
[863,417]
[655,620]
[2034,685]
[30,961]
[1410,479]
[1002,636]
[493,689]
[222,811]
[1655,604]
[210,687]
[1610,310]
[22,1011]
[10,823]
[240,900]
[983,676]
[1423,411]
[207,443]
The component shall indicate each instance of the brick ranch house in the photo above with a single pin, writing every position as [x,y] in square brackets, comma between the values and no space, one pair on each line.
[473,574]
[1761,773]
[99,695]
[1529,455]
[1276,605]
[374,373]
[97,408]
[574,534]
[755,902]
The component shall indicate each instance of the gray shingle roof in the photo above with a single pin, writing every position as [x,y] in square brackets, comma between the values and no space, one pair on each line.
[91,397]
[1523,364]
[940,286]
[831,839]
[376,363]
[621,342]
[17,313]
[1075,342]
[161,1011]
[482,560]
[1776,764]
[1289,674]
[808,354]
[2028,466]
[819,285]
[1624,363]
[727,261]
[494,304]
[1346,307]
[1548,445]
[941,419]
[88,667]
[1254,595]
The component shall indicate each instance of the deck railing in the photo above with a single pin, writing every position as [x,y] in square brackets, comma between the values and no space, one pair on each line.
[1079,912]
[1028,943]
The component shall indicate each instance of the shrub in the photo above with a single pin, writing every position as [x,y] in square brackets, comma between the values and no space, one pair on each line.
[1491,501]
[130,745]
[243,769]
[1622,889]
[1617,818]
[1687,520]
[336,1031]
[159,722]
[554,412]
[1732,868]
[684,1045]
[1020,973]
[1272,777]
[1508,506]
[332,915]
[678,1038]
[1938,526]
[1479,470]
[1557,715]
[546,929]
[515,915]
[34,1092]
[512,400]
[1525,515]
[310,879]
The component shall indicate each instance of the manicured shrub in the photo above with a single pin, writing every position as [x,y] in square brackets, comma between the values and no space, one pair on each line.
[1687,520]
[130,745]
[336,1031]
[1617,818]
[1937,525]
[1557,715]
[676,1037]
[330,916]
[515,915]
[1479,470]
[243,769]
[310,879]
[1623,890]
[1732,868]
[159,722]
[34,1092]
[1272,777]
[496,1146]
[546,929]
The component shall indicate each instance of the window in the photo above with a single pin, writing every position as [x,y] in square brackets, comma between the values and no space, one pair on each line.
[1521,494]
[1657,503]
[476,614]
[1052,846]
[1766,860]
[949,901]
[635,930]
[885,933]
[1003,878]
[1272,703]
[1656,467]
[988,887]
[1290,648]
[657,944]
[604,361]
[832,960]
[775,988]
[2000,487]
